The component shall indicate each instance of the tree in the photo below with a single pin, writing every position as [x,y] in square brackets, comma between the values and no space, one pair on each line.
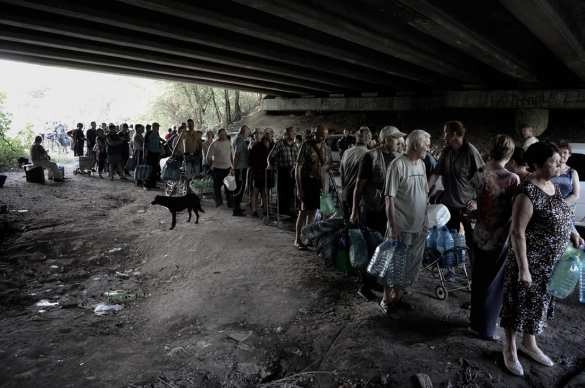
[227,109]
[237,110]
[10,149]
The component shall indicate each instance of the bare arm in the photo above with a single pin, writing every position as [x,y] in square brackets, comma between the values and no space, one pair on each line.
[357,197]
[391,215]
[574,196]
[521,214]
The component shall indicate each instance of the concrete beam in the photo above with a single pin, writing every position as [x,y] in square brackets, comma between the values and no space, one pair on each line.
[129,73]
[544,21]
[66,28]
[80,46]
[440,25]
[206,36]
[311,17]
[73,57]
[497,99]
[303,39]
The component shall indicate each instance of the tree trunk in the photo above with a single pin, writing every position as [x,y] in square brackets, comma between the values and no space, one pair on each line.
[227,109]
[237,109]
[217,111]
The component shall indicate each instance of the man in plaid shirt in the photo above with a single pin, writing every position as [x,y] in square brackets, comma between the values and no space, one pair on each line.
[283,157]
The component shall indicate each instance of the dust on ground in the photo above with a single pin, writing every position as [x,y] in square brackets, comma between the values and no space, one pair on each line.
[225,303]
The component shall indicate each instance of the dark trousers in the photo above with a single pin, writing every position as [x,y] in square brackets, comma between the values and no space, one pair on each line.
[285,189]
[102,158]
[153,160]
[218,175]
[487,290]
[461,216]
[241,175]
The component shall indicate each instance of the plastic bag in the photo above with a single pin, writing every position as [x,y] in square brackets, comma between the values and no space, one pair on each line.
[358,248]
[437,215]
[170,171]
[230,182]
[326,205]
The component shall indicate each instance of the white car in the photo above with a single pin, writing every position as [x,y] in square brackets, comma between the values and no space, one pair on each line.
[577,161]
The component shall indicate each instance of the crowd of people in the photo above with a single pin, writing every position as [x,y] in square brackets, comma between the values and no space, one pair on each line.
[515,205]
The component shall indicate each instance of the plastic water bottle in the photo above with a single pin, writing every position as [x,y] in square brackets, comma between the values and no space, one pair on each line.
[318,216]
[460,246]
[582,283]
[445,246]
[398,267]
[431,241]
[565,274]
[382,262]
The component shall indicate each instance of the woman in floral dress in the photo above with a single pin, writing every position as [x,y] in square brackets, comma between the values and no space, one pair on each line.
[541,227]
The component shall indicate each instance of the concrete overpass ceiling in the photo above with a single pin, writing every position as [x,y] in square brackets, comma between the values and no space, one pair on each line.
[309,47]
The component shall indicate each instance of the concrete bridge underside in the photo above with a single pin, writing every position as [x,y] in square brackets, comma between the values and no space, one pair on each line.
[318,48]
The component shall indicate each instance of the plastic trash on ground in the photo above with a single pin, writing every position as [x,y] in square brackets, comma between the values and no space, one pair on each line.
[105,309]
[358,248]
[46,303]
[119,296]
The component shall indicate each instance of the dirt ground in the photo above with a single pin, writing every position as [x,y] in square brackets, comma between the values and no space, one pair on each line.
[225,303]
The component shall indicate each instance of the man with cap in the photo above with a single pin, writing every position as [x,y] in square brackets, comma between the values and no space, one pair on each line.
[368,206]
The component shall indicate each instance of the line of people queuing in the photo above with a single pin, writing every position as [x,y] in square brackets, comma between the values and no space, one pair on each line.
[516,210]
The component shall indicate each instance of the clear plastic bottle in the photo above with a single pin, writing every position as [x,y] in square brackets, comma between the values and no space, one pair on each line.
[431,242]
[381,262]
[565,274]
[460,246]
[582,283]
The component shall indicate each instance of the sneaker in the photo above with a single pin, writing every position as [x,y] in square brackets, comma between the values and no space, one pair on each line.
[366,293]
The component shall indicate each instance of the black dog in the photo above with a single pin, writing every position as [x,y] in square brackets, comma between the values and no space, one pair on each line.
[191,202]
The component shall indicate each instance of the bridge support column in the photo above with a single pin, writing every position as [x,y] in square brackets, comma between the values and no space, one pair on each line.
[537,118]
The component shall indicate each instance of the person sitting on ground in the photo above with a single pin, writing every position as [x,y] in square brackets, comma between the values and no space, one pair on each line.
[258,162]
[345,142]
[349,169]
[219,160]
[100,149]
[497,189]
[283,158]
[406,191]
[77,139]
[368,204]
[115,145]
[40,157]
[540,232]
[308,177]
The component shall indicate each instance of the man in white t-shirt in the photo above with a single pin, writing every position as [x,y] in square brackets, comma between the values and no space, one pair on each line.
[406,192]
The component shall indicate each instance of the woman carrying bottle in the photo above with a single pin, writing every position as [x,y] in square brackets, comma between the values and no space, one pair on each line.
[540,232]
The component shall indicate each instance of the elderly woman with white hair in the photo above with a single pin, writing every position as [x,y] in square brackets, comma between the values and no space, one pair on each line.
[368,195]
[406,192]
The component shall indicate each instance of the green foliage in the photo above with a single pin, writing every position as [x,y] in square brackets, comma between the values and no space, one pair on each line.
[204,104]
[10,149]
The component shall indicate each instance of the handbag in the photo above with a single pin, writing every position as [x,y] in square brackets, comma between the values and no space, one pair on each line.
[171,170]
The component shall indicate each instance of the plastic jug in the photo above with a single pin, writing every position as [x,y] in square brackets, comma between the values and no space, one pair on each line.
[460,246]
[445,241]
[565,274]
[431,242]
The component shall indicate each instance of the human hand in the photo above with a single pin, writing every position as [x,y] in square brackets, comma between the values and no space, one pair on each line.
[471,205]
[232,172]
[354,218]
[525,278]
[577,240]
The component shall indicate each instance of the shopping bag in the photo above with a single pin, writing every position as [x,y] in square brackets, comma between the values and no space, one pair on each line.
[326,205]
[142,172]
[230,182]
[171,170]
